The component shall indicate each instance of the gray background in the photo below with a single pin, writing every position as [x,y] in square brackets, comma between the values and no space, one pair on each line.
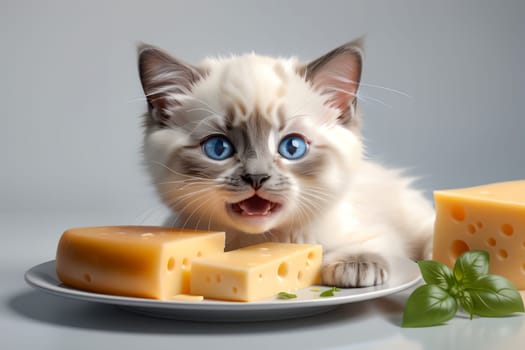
[71,100]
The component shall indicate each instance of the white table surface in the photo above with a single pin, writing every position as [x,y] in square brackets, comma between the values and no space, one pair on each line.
[32,319]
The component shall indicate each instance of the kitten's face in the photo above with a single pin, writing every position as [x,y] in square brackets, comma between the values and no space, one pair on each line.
[249,143]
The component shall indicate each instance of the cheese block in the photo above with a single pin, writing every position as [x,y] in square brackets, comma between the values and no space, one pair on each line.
[489,217]
[140,261]
[256,272]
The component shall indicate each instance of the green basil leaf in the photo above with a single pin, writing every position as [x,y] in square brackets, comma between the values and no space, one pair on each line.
[435,272]
[494,296]
[285,295]
[471,265]
[465,299]
[329,292]
[428,305]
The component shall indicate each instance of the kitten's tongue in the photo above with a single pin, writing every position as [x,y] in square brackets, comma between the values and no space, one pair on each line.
[255,206]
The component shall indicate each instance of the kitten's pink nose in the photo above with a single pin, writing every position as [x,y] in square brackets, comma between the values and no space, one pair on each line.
[255,180]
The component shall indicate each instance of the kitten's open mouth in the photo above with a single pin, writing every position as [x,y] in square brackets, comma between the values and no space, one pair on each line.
[255,206]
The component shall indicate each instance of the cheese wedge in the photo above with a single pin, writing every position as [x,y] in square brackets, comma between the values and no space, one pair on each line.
[256,272]
[489,217]
[140,261]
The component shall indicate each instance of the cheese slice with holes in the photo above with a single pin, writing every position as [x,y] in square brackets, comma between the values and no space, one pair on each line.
[256,272]
[489,217]
[140,261]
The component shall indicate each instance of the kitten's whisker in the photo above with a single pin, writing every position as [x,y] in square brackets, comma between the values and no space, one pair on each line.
[177,173]
[212,214]
[205,201]
[206,121]
[296,116]
[185,181]
[330,89]
[188,204]
[190,194]
[350,81]
[267,236]
[302,214]
[175,220]
[203,120]
[270,236]
[365,98]
[302,211]
[317,194]
[195,210]
[205,104]
[359,95]
[314,205]
[296,112]
[176,187]
[145,215]
[312,208]
[203,109]
[402,93]
[186,195]
[182,191]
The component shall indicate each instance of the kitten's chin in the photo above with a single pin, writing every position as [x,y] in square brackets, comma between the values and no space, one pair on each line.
[254,214]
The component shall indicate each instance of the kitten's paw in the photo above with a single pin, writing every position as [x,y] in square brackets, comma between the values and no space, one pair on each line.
[355,271]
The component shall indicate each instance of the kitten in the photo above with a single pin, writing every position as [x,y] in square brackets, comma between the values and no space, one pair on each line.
[270,149]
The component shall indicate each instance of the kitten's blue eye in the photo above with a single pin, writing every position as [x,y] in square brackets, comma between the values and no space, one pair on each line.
[217,148]
[293,147]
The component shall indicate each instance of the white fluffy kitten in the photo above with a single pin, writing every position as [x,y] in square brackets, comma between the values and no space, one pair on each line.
[269,149]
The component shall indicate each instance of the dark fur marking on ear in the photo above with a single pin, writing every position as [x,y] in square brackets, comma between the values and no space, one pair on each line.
[337,74]
[163,77]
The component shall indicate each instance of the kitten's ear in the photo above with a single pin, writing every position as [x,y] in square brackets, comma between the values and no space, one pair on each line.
[165,80]
[338,73]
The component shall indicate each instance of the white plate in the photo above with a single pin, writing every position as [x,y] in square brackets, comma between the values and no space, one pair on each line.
[307,303]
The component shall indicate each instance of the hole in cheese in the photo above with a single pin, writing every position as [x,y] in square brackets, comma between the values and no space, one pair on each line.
[282,271]
[87,277]
[458,213]
[471,229]
[208,279]
[507,230]
[185,263]
[171,264]
[199,254]
[491,241]
[458,247]
[309,259]
[299,275]
[479,224]
[502,254]
[234,290]
[260,276]
[218,278]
